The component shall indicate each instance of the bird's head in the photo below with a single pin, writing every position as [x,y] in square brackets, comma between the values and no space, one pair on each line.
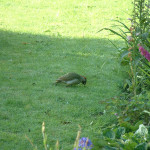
[84,80]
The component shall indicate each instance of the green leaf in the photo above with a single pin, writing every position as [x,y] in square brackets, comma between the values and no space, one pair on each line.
[113,44]
[110,148]
[99,143]
[123,32]
[120,132]
[127,119]
[144,72]
[114,32]
[137,60]
[129,144]
[145,111]
[141,146]
[109,133]
[145,35]
[128,82]
[124,54]
[122,24]
[124,60]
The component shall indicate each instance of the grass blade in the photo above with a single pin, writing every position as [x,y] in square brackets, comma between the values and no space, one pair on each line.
[113,44]
[114,32]
[122,24]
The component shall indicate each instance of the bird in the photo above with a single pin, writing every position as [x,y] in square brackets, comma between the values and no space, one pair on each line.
[71,79]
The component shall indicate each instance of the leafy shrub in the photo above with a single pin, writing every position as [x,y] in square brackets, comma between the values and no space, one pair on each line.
[136,53]
[132,129]
[117,138]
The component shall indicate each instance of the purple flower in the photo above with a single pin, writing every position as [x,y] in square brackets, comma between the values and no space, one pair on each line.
[116,114]
[144,52]
[84,143]
[129,18]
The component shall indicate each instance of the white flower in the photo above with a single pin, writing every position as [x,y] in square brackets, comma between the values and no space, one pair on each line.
[129,38]
[142,131]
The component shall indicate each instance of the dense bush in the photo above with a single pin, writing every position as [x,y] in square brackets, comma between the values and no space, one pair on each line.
[118,138]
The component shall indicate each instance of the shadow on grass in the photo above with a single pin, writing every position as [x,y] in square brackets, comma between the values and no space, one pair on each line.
[30,64]
[57,55]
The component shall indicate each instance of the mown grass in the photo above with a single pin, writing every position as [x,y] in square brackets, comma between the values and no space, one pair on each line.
[41,41]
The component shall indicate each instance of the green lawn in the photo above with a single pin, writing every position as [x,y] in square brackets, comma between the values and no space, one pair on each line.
[41,40]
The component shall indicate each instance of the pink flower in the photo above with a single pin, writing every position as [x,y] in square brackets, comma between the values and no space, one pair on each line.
[144,52]
[147,55]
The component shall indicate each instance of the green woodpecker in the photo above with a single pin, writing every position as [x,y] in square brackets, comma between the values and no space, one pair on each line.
[71,79]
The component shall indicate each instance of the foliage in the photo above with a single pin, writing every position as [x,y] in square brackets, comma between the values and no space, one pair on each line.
[136,53]
[130,112]
[132,129]
[117,138]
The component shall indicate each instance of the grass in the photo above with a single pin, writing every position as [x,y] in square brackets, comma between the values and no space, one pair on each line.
[42,40]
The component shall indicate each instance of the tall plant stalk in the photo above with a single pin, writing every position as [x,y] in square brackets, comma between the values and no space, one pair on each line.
[137,40]
[139,16]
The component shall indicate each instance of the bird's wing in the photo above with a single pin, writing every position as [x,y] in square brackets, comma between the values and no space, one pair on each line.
[69,76]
